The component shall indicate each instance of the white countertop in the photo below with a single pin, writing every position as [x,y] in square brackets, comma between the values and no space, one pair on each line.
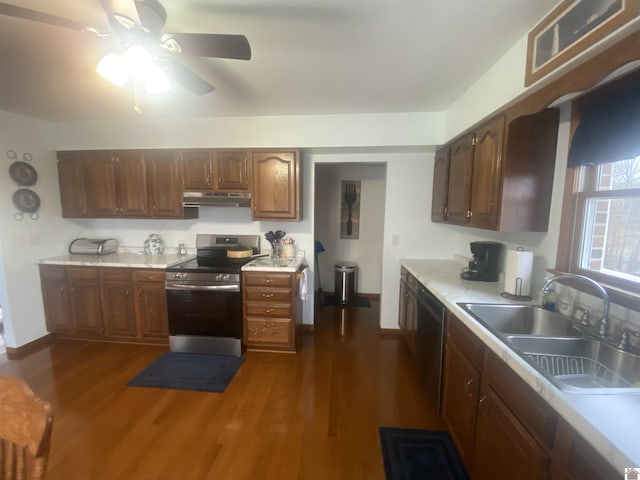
[267,264]
[131,260]
[610,423]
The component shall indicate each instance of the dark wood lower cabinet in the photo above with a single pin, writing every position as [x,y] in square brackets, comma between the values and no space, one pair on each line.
[460,400]
[501,427]
[504,449]
[105,303]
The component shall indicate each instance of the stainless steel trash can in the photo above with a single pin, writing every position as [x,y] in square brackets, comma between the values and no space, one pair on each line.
[345,285]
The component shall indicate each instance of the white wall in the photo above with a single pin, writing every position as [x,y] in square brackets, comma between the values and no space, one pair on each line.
[21,243]
[321,131]
[365,251]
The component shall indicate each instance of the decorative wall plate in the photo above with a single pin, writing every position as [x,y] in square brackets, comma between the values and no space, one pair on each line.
[26,200]
[23,174]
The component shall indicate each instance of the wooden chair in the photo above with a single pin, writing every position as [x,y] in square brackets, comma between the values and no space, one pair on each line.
[25,431]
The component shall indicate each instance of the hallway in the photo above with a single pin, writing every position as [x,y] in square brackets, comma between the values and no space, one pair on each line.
[312,415]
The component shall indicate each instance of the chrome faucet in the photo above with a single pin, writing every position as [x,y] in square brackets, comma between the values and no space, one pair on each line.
[604,321]
[624,339]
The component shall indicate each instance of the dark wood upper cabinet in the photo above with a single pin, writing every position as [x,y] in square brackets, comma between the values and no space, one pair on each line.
[216,171]
[127,184]
[275,192]
[131,185]
[501,175]
[485,178]
[164,178]
[459,186]
[100,184]
[197,171]
[72,185]
[440,186]
[231,171]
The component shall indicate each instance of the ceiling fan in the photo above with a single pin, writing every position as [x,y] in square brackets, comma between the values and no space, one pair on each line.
[140,23]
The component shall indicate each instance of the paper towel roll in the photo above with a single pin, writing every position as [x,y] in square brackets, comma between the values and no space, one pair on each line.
[517,275]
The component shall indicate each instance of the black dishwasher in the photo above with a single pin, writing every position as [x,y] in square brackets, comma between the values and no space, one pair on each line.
[430,320]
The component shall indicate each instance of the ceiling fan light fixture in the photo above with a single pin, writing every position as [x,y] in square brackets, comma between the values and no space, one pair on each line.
[113,68]
[136,63]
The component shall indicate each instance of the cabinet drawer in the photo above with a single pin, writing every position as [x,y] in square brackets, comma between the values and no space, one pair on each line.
[271,295]
[534,413]
[82,273]
[116,274]
[262,279]
[269,332]
[466,341]
[149,275]
[52,272]
[269,310]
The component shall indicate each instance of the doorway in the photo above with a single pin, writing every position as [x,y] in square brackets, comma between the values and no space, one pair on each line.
[366,251]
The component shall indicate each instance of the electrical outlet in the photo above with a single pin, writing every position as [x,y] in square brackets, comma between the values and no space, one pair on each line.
[395,240]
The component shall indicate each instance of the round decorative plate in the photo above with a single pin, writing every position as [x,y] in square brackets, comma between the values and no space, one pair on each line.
[23,174]
[26,200]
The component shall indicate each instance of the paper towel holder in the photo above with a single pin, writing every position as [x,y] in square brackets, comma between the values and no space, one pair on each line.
[510,296]
[518,288]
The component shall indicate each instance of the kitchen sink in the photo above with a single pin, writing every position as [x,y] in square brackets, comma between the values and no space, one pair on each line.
[521,320]
[580,365]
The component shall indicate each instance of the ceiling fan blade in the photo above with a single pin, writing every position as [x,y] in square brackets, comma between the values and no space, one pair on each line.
[42,17]
[214,45]
[185,76]
[124,12]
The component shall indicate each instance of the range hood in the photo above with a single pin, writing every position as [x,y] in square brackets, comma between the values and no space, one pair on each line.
[197,199]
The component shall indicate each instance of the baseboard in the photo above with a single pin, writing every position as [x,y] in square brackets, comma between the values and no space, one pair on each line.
[15,353]
[390,332]
[306,328]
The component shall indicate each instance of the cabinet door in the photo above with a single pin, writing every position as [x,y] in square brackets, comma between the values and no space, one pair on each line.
[410,331]
[460,171]
[100,184]
[402,307]
[460,400]
[485,186]
[440,186]
[151,310]
[86,308]
[196,171]
[118,309]
[275,186]
[231,171]
[57,304]
[165,185]
[131,185]
[503,448]
[72,186]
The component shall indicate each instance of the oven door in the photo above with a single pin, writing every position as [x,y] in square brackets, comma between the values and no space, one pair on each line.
[204,310]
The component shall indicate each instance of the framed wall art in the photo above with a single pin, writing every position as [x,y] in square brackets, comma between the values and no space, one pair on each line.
[350,209]
[570,28]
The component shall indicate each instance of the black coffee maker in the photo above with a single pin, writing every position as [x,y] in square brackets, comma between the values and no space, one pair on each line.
[483,267]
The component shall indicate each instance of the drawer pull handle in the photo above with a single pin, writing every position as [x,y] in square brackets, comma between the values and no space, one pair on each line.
[267,280]
[267,295]
[269,310]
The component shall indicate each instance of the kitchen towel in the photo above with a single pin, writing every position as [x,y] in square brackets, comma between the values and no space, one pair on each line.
[517,275]
[303,290]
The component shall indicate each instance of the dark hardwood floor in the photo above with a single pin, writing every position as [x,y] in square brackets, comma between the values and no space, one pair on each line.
[312,415]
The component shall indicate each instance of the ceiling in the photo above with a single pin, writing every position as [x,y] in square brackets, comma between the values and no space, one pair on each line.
[309,57]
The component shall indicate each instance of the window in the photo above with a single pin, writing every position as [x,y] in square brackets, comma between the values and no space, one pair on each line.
[600,234]
[610,236]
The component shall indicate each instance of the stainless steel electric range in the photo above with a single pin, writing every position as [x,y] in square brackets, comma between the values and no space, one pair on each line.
[204,299]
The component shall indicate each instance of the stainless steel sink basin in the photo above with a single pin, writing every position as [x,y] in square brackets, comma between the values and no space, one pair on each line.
[580,365]
[521,320]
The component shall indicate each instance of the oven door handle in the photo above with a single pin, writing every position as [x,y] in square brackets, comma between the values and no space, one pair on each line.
[208,288]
